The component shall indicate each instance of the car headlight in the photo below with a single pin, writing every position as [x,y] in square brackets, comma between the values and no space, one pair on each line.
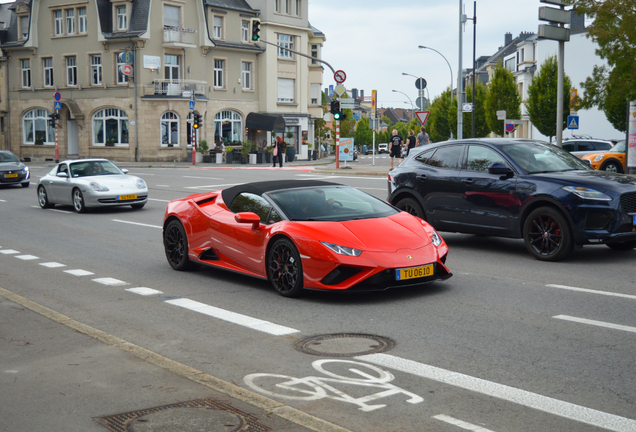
[141,184]
[97,187]
[435,238]
[587,193]
[25,169]
[342,250]
[599,158]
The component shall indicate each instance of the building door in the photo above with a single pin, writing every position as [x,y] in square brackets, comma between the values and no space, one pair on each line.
[72,135]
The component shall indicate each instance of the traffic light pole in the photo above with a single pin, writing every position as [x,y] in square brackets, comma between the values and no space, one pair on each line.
[300,54]
[57,148]
[337,144]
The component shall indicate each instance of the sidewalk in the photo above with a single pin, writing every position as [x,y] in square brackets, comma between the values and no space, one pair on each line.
[59,375]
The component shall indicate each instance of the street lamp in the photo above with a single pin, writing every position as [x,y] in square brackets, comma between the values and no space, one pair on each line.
[451,72]
[412,106]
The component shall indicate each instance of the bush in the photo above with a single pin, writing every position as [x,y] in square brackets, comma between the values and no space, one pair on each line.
[203,147]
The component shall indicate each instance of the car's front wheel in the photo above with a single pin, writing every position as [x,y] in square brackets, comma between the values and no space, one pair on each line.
[284,268]
[547,234]
[612,166]
[175,244]
[411,206]
[43,198]
[78,201]
[625,246]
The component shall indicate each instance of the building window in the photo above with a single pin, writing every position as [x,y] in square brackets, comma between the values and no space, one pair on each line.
[71,71]
[122,18]
[169,130]
[171,16]
[25,66]
[218,27]
[219,65]
[119,64]
[285,43]
[315,48]
[59,23]
[228,126]
[510,64]
[297,11]
[286,90]
[287,6]
[245,31]
[70,21]
[24,27]
[110,126]
[246,75]
[277,5]
[81,20]
[315,94]
[36,127]
[96,69]
[47,68]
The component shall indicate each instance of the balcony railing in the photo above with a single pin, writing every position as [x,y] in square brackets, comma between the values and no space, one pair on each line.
[179,35]
[180,88]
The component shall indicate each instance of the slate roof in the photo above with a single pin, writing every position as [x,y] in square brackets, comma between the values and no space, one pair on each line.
[238,5]
[10,19]
[137,25]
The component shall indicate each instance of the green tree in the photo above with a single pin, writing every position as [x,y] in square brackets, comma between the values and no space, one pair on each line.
[502,95]
[542,98]
[363,135]
[438,123]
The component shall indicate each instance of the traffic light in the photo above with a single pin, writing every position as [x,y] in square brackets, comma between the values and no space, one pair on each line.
[53,119]
[338,114]
[256,29]
[197,121]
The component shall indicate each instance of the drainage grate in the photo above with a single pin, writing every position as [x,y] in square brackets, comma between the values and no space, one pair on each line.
[231,420]
[345,345]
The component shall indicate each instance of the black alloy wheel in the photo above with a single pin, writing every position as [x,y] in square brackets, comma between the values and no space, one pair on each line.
[284,268]
[411,206]
[78,201]
[175,244]
[612,166]
[547,235]
[43,198]
[625,246]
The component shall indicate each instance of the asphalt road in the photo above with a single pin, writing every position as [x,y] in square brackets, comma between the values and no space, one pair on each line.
[507,344]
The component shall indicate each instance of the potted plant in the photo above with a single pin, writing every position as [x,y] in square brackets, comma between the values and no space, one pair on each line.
[290,151]
[245,151]
[228,155]
[205,151]
[111,143]
[39,141]
[268,155]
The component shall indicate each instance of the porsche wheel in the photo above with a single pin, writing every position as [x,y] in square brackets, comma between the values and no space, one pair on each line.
[612,166]
[175,244]
[43,198]
[284,268]
[411,206]
[78,201]
[625,246]
[547,235]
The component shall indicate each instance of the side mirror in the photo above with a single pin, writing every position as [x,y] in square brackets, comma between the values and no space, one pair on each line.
[499,168]
[61,175]
[248,218]
[124,170]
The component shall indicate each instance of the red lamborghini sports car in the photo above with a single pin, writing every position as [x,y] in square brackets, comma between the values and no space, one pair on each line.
[304,235]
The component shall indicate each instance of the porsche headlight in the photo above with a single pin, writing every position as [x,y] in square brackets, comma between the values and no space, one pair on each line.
[141,184]
[342,250]
[599,158]
[587,193]
[97,187]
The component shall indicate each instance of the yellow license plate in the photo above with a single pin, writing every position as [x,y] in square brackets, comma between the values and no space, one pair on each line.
[126,197]
[10,175]
[414,272]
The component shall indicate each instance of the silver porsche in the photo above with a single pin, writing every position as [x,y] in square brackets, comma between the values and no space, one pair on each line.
[85,183]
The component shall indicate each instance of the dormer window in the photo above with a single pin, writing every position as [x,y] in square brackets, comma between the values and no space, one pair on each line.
[24,27]
[121,18]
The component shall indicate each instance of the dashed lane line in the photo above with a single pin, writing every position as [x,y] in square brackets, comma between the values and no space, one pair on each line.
[460,423]
[596,323]
[52,264]
[78,272]
[144,291]
[110,281]
[585,290]
[27,257]
[137,223]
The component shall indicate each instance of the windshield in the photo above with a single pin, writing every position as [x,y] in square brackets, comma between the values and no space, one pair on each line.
[535,158]
[8,157]
[330,203]
[94,168]
[619,147]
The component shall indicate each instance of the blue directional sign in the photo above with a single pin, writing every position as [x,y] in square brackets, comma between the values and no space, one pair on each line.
[573,122]
[57,105]
[191,104]
[126,57]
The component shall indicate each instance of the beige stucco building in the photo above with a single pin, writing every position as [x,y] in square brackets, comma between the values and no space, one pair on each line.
[184,57]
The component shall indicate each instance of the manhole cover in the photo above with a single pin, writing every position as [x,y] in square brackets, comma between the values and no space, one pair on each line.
[344,345]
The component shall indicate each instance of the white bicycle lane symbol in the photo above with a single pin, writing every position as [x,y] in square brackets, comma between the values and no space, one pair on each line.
[314,388]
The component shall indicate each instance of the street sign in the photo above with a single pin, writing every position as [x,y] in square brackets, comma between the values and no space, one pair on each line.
[510,127]
[349,103]
[57,105]
[420,83]
[57,96]
[467,107]
[340,90]
[501,115]
[374,102]
[421,102]
[573,122]
[126,57]
[126,69]
[340,76]
[192,105]
[422,115]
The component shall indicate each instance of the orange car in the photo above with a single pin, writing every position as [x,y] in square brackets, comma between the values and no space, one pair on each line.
[612,160]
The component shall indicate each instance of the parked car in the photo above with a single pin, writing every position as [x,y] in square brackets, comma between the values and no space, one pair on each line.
[612,160]
[520,189]
[85,183]
[12,170]
[304,234]
[383,148]
[580,147]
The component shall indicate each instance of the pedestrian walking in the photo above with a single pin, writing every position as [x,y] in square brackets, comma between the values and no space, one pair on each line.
[396,147]
[410,140]
[279,147]
[422,138]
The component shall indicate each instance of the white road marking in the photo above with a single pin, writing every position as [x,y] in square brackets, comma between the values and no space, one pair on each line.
[110,281]
[596,323]
[1,200]
[585,290]
[460,423]
[78,272]
[525,398]
[233,317]
[27,257]
[144,291]
[137,223]
[52,264]
[9,251]
[212,187]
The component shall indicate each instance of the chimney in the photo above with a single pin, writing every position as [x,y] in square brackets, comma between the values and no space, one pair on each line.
[508,39]
[354,93]
[361,94]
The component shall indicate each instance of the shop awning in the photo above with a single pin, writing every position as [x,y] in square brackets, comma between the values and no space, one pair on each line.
[266,122]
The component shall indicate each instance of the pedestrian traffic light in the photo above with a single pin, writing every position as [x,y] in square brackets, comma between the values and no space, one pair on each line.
[256,29]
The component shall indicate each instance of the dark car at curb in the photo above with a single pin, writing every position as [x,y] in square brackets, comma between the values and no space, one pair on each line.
[517,188]
[12,170]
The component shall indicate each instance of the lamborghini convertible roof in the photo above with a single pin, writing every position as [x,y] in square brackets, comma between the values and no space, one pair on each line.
[259,188]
